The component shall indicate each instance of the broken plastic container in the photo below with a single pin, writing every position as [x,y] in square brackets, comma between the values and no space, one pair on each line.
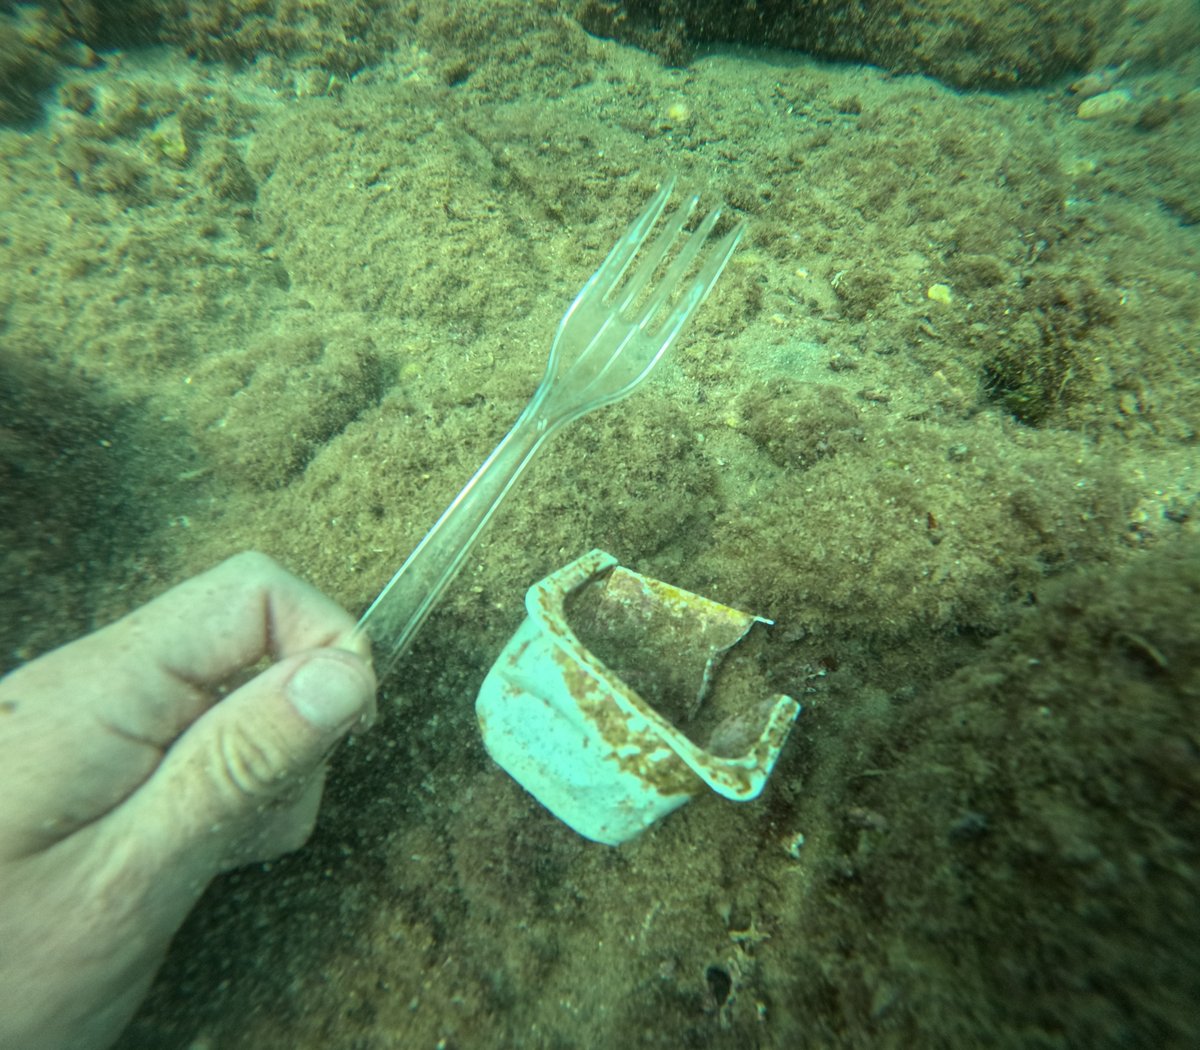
[612,704]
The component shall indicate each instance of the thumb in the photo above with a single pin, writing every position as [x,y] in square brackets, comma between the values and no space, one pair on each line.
[243,782]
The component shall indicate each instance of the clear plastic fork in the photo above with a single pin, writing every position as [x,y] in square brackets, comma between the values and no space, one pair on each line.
[614,333]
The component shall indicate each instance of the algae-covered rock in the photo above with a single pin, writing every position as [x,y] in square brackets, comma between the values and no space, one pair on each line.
[266,409]
[33,45]
[982,43]
[39,40]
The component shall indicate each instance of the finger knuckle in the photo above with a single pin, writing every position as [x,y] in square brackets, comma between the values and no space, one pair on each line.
[253,767]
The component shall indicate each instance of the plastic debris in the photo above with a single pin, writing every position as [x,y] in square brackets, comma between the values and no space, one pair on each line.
[559,711]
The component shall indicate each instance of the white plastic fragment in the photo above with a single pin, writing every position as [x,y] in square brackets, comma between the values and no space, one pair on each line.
[588,747]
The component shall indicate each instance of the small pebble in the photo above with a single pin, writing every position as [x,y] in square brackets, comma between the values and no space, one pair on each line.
[1106,106]
[1098,81]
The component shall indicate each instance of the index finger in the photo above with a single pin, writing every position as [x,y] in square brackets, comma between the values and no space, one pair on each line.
[85,725]
[228,618]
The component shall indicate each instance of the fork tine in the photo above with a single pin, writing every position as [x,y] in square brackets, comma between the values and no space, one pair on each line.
[617,261]
[698,290]
[679,268]
[655,255]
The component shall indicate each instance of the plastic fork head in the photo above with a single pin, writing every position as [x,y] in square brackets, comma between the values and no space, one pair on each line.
[621,323]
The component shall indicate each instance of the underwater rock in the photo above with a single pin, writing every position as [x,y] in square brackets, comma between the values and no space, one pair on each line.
[986,43]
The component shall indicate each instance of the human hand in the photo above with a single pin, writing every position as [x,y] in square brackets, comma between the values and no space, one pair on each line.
[128,782]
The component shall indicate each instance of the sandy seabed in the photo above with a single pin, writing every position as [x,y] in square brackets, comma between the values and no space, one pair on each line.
[938,421]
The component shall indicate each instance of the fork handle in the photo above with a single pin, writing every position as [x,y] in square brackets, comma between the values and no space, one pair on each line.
[393,619]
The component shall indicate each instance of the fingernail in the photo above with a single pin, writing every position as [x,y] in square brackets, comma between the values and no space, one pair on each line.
[327,693]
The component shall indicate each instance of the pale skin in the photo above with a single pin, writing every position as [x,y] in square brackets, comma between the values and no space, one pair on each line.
[129,779]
